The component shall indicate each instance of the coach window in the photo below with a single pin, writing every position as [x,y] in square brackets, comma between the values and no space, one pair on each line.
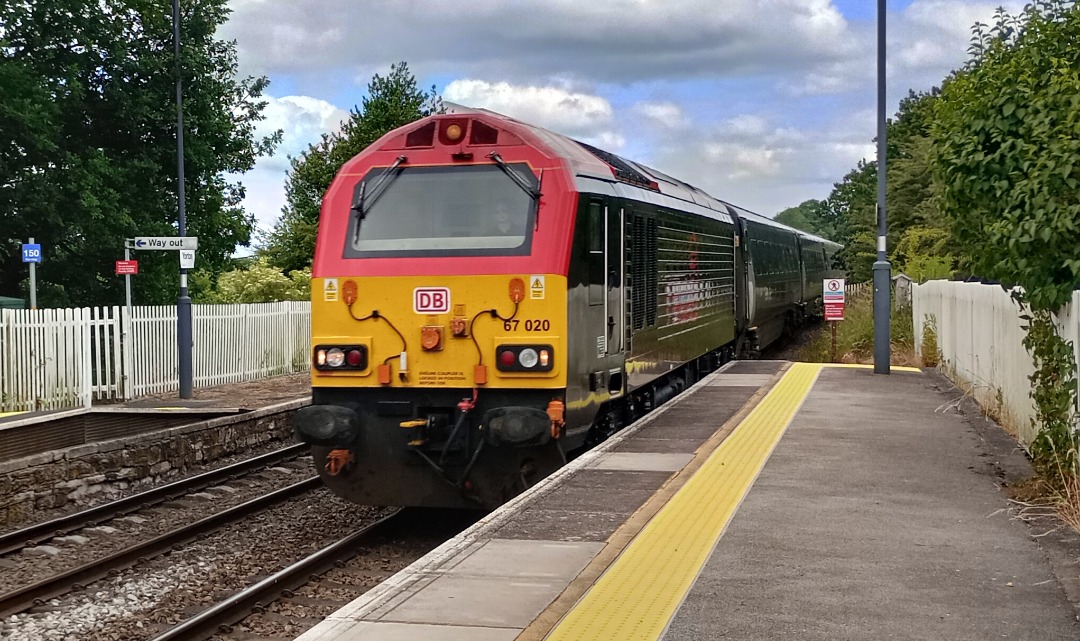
[596,253]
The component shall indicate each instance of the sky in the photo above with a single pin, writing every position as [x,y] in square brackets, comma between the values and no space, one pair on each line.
[762,103]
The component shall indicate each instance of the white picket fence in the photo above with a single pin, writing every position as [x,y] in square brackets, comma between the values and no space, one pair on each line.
[980,340]
[58,358]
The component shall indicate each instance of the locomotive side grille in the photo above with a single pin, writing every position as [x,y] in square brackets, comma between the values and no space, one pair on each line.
[650,272]
[637,272]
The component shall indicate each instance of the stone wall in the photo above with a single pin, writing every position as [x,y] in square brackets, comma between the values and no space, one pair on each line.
[92,472]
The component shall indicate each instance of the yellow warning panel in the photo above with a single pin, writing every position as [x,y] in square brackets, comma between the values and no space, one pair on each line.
[637,596]
[330,289]
[536,287]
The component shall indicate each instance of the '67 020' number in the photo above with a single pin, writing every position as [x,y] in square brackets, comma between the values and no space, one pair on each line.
[531,325]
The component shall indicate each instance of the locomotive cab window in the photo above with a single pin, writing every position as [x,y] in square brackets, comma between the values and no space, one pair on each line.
[442,211]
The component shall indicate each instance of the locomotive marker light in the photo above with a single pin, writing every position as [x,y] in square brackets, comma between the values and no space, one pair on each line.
[348,291]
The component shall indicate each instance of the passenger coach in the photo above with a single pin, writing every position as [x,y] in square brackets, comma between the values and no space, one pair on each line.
[489,297]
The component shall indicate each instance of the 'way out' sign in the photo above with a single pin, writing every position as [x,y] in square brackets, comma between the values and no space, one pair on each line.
[166,243]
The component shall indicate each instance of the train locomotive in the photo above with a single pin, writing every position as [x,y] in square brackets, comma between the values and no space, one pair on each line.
[489,298]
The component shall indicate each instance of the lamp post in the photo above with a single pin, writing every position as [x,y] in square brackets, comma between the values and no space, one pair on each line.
[882,269]
[183,303]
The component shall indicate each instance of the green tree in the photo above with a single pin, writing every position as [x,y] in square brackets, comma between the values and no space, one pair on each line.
[88,96]
[852,206]
[810,216]
[392,101]
[1007,140]
[911,198]
[260,282]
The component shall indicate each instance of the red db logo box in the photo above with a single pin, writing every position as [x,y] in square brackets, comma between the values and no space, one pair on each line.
[431,300]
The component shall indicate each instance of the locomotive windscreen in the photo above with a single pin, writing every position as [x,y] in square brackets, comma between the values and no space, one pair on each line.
[424,211]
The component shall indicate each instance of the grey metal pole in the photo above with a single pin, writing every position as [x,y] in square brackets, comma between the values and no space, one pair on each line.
[882,269]
[33,282]
[127,280]
[183,304]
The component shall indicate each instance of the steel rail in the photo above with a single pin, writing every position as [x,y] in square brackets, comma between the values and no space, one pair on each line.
[19,539]
[236,607]
[31,595]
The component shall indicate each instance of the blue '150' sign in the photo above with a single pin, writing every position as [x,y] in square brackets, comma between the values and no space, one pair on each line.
[31,253]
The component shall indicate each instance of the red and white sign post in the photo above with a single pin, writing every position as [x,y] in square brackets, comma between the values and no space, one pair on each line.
[125,267]
[833,297]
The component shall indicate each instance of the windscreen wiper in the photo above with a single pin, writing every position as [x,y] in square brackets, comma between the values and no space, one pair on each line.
[533,192]
[360,206]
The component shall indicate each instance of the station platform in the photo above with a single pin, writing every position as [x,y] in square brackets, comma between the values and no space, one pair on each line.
[770,501]
[220,399]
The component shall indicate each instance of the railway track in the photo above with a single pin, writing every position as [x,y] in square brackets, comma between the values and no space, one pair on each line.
[18,539]
[256,597]
[27,596]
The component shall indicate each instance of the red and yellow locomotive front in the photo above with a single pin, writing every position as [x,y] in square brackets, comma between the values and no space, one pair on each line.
[439,316]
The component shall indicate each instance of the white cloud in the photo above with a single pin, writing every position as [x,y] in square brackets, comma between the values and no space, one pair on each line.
[763,165]
[580,115]
[302,121]
[611,41]
[666,114]
[761,102]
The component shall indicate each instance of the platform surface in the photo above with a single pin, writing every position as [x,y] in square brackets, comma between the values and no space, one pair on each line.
[768,502]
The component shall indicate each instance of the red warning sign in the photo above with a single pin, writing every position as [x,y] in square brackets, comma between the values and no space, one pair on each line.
[124,267]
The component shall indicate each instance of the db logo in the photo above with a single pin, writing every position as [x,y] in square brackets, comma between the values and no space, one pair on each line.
[431,300]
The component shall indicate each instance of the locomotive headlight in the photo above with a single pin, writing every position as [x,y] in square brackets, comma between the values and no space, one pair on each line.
[320,357]
[528,358]
[524,359]
[335,357]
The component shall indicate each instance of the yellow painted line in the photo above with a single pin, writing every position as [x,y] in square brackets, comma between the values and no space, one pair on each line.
[6,414]
[637,596]
[893,368]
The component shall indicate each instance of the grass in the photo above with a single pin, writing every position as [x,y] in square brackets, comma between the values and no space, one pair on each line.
[855,337]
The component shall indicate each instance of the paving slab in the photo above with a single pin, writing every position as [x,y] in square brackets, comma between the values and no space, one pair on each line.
[642,461]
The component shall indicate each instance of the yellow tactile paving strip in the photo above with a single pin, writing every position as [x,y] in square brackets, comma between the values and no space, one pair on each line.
[6,414]
[637,596]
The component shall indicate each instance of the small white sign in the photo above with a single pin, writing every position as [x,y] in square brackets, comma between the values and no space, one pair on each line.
[187,259]
[330,290]
[166,243]
[834,288]
[536,287]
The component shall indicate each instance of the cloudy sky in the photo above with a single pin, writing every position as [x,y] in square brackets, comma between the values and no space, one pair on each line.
[764,103]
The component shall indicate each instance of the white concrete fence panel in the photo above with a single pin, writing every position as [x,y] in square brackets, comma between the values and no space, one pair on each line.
[980,339]
[58,358]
